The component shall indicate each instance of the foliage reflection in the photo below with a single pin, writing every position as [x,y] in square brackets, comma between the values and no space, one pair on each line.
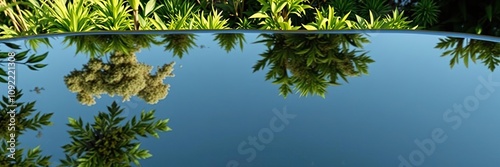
[312,62]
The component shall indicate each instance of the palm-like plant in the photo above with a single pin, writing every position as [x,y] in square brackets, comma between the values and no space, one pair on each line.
[276,13]
[394,21]
[426,13]
[331,22]
[214,21]
[109,143]
[244,24]
[179,21]
[470,49]
[398,21]
[114,15]
[173,8]
[69,16]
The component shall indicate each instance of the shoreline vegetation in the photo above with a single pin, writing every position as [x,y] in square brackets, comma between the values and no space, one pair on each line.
[33,17]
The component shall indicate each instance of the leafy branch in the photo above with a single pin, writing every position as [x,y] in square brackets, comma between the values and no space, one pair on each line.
[109,143]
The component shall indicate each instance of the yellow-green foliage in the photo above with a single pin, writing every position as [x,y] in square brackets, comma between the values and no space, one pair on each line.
[122,76]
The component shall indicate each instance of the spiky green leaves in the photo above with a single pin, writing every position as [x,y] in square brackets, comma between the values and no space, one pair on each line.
[214,21]
[276,13]
[70,16]
[108,141]
[330,22]
[114,14]
[426,13]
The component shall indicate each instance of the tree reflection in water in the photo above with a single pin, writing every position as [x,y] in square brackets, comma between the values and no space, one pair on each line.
[312,62]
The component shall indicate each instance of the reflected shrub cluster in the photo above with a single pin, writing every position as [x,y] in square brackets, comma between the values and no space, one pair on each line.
[312,62]
[123,76]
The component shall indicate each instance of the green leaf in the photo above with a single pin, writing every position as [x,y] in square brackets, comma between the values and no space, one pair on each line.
[4,55]
[3,80]
[32,68]
[303,51]
[259,15]
[2,72]
[72,122]
[36,59]
[150,6]
[21,56]
[309,27]
[40,65]
[466,61]
[12,45]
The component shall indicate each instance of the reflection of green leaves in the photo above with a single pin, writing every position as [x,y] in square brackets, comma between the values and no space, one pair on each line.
[99,45]
[228,41]
[179,44]
[32,63]
[470,49]
[12,45]
[108,141]
[311,62]
[31,60]
[33,157]
[36,59]
[24,120]
[23,113]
